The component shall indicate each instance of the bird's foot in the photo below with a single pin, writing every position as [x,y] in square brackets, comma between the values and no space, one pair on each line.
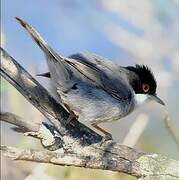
[106,139]
[72,115]
[107,136]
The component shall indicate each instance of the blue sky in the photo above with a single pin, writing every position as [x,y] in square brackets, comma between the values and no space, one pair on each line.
[69,26]
[68,29]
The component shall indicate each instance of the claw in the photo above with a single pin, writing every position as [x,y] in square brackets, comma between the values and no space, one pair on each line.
[105,139]
[107,136]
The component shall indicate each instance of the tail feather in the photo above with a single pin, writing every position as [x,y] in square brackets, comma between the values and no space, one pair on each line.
[38,39]
[59,71]
[47,75]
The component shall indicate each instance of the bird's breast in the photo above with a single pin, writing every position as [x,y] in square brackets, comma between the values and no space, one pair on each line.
[94,105]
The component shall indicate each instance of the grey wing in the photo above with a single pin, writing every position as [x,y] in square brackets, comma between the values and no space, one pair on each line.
[103,73]
[91,58]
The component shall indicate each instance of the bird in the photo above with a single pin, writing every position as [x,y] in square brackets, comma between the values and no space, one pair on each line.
[92,88]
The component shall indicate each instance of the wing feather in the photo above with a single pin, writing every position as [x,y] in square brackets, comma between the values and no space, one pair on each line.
[103,73]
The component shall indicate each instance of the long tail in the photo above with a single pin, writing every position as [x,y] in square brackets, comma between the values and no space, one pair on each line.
[59,71]
[38,39]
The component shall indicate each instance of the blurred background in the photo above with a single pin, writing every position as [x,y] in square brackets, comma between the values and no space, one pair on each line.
[126,32]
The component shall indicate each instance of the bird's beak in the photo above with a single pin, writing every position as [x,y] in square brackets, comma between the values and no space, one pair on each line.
[157,99]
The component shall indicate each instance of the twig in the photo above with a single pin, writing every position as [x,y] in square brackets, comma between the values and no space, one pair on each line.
[48,135]
[136,130]
[170,130]
[22,125]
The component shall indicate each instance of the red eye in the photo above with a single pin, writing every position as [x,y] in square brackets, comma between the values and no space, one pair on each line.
[145,87]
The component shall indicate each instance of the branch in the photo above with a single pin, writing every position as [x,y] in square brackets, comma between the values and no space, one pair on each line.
[22,125]
[170,130]
[70,159]
[52,157]
[77,139]
[48,135]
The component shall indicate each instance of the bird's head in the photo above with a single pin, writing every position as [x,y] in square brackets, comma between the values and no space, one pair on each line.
[143,83]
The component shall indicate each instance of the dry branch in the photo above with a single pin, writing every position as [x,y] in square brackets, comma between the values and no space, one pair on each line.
[170,130]
[21,124]
[77,141]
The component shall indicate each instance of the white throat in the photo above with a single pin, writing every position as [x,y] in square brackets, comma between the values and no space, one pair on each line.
[140,99]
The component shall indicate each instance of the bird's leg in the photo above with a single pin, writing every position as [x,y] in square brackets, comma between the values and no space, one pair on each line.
[72,115]
[107,137]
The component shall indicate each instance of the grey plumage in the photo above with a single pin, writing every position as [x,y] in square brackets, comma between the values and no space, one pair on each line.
[93,87]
